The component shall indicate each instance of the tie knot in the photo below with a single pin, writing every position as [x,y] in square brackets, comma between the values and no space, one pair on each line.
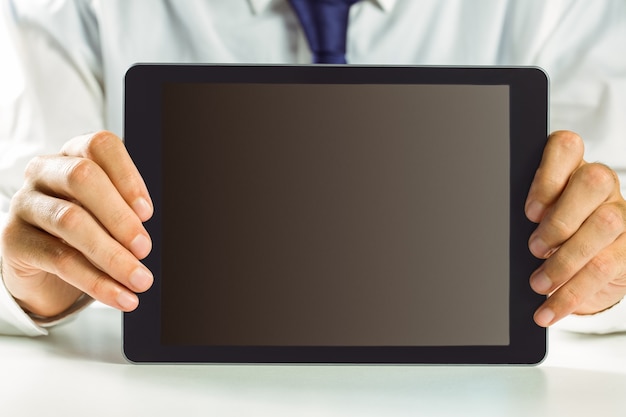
[325,24]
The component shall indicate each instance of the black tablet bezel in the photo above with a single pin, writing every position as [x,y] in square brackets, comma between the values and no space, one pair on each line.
[528,88]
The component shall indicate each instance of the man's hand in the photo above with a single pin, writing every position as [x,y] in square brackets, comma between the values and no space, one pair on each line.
[76,226]
[582,220]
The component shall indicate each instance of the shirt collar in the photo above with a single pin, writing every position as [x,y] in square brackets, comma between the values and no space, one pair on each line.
[258,6]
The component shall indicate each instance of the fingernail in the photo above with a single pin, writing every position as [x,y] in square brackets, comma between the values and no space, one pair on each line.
[141,279]
[534,211]
[140,246]
[142,208]
[127,301]
[544,317]
[541,283]
[539,248]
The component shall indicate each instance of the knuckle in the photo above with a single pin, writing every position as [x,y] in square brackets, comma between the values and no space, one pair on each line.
[67,216]
[100,141]
[99,286]
[33,167]
[601,267]
[559,230]
[12,232]
[569,141]
[65,258]
[21,199]
[545,181]
[80,172]
[123,218]
[586,250]
[596,176]
[91,250]
[115,258]
[609,218]
[129,181]
[569,298]
[123,225]
[560,266]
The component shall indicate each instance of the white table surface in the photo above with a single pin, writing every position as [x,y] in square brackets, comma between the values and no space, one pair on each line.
[79,371]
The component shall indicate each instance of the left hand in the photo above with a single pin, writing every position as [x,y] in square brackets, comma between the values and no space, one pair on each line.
[581,232]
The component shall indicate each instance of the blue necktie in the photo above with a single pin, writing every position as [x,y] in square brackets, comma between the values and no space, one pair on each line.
[325,24]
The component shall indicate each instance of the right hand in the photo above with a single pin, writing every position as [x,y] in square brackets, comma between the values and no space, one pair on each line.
[76,227]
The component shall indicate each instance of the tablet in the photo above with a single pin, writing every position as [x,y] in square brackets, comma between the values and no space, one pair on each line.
[337,214]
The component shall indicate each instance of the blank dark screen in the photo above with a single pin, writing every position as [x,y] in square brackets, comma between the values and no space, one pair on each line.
[335,215]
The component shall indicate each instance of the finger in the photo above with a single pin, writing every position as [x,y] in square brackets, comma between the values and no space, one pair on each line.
[563,153]
[109,152]
[596,275]
[600,230]
[47,253]
[589,187]
[78,229]
[83,180]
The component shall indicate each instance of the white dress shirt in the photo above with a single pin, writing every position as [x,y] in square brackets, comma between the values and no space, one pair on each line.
[71,56]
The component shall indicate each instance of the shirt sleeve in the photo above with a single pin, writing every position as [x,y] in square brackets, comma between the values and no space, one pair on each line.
[582,55]
[51,91]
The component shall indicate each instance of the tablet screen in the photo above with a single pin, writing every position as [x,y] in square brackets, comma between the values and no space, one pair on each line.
[335,215]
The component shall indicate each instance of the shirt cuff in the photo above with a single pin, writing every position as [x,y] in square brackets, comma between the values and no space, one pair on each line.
[15,321]
[611,320]
[80,304]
